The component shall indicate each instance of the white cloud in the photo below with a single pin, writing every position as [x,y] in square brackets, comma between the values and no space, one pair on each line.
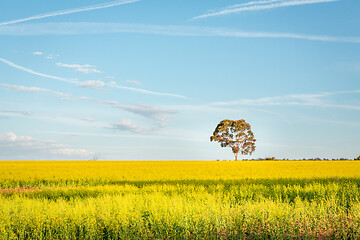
[316,100]
[23,88]
[128,125]
[52,56]
[11,64]
[99,28]
[72,152]
[149,111]
[89,119]
[112,83]
[86,68]
[37,53]
[33,89]
[148,91]
[69,11]
[58,119]
[76,82]
[91,84]
[260,5]
[13,147]
[61,94]
[15,113]
[133,82]
[11,137]
[110,102]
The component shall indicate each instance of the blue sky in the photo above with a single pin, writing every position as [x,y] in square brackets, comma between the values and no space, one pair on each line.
[151,79]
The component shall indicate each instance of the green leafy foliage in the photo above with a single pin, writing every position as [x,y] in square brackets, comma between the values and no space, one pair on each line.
[235,134]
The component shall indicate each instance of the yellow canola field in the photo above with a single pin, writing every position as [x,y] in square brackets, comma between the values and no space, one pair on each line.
[179,200]
[101,172]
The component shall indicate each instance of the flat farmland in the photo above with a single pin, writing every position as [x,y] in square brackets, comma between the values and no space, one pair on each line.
[179,200]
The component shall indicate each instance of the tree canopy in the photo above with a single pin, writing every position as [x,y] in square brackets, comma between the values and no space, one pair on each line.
[235,134]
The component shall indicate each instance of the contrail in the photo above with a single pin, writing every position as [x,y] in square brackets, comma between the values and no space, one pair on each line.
[36,73]
[149,92]
[253,3]
[69,11]
[260,5]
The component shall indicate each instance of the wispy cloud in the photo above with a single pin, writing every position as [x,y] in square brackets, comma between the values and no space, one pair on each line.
[86,68]
[59,119]
[37,53]
[30,148]
[128,125]
[69,11]
[36,73]
[315,100]
[171,136]
[89,119]
[89,83]
[149,111]
[92,84]
[89,99]
[148,91]
[190,31]
[133,82]
[260,5]
[15,113]
[158,114]
[23,88]
[112,83]
[33,89]
[51,57]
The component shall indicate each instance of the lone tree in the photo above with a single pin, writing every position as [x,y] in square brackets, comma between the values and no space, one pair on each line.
[236,134]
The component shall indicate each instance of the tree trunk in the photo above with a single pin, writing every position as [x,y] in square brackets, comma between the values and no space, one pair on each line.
[236,156]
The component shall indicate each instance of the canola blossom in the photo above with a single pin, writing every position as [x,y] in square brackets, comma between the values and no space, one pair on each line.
[180,200]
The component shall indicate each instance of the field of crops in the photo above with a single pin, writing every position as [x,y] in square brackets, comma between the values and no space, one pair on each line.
[180,200]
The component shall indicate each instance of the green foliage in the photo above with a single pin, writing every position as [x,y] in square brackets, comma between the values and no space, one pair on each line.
[235,134]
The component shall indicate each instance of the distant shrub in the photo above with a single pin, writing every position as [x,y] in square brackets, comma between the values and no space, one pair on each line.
[270,159]
[358,158]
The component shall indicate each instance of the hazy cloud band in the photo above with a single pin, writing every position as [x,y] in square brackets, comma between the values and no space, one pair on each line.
[171,30]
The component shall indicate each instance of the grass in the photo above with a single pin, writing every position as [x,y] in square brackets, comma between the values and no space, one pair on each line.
[180,200]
